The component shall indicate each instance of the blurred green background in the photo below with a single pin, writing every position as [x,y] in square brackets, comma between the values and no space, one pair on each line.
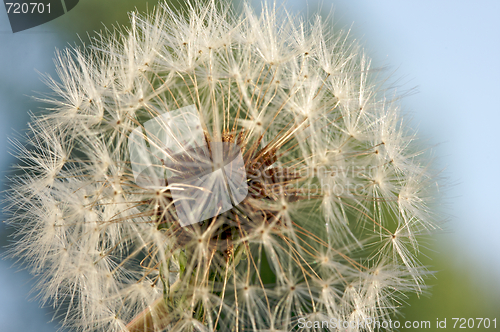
[464,255]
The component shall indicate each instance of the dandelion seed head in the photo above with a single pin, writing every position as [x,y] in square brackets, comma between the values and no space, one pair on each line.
[327,191]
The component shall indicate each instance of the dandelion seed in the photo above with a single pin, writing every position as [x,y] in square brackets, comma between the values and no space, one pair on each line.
[219,172]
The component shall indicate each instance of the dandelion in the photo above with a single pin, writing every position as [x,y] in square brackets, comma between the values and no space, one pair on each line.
[207,171]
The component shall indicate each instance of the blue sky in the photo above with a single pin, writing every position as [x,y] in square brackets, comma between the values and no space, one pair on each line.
[449,51]
[20,55]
